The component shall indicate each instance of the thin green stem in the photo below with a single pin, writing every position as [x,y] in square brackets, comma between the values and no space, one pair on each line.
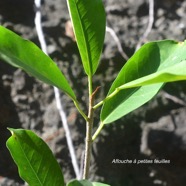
[80,110]
[89,126]
[97,131]
[107,98]
[90,85]
[99,104]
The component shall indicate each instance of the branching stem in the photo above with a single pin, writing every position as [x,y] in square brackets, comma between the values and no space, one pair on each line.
[89,126]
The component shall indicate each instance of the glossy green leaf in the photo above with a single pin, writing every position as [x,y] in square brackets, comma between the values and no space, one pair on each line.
[35,161]
[143,76]
[85,183]
[99,184]
[27,56]
[89,23]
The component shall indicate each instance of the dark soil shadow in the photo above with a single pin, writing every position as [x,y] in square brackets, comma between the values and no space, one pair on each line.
[8,118]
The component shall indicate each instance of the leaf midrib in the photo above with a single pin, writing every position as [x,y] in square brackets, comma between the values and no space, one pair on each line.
[135,89]
[40,182]
[85,39]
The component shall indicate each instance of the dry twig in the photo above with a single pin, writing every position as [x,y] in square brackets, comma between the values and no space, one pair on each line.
[57,93]
[174,99]
[116,39]
[149,26]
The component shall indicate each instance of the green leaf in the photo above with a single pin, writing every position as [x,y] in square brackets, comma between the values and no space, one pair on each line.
[85,183]
[35,161]
[27,56]
[89,23]
[99,184]
[143,76]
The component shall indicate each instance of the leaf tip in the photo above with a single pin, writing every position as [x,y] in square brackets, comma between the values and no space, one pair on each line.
[181,42]
[11,130]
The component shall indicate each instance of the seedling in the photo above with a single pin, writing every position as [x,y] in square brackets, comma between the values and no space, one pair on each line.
[140,79]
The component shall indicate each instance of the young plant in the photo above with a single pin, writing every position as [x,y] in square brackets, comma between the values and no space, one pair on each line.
[144,74]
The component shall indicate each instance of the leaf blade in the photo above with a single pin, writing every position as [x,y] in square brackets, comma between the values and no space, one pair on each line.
[35,161]
[164,61]
[176,72]
[26,55]
[89,29]
[85,183]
